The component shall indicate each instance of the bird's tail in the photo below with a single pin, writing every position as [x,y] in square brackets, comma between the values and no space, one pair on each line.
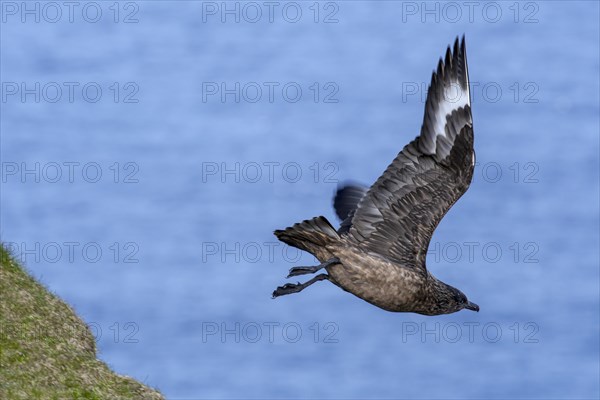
[310,235]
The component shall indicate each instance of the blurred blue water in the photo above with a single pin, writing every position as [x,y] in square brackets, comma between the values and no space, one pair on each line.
[535,87]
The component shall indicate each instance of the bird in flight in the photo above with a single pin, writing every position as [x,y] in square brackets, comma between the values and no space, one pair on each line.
[379,251]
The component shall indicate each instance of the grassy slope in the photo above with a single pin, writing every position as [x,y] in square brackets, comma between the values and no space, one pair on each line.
[46,350]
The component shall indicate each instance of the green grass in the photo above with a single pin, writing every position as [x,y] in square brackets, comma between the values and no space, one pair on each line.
[46,350]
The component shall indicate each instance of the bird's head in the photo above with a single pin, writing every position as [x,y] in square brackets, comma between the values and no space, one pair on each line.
[453,300]
[464,303]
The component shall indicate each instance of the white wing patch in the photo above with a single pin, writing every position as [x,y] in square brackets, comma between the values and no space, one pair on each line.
[454,98]
[447,100]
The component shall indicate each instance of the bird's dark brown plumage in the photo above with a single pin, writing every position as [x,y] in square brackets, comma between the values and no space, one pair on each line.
[379,252]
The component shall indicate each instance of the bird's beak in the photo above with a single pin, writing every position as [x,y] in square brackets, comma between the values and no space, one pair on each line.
[472,306]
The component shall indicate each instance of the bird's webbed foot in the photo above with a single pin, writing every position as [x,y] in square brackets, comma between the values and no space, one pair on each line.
[290,288]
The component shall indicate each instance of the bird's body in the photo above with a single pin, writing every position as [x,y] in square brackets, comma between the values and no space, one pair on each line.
[379,251]
[391,287]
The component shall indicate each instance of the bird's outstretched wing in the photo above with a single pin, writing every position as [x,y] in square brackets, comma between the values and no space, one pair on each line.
[345,202]
[397,216]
